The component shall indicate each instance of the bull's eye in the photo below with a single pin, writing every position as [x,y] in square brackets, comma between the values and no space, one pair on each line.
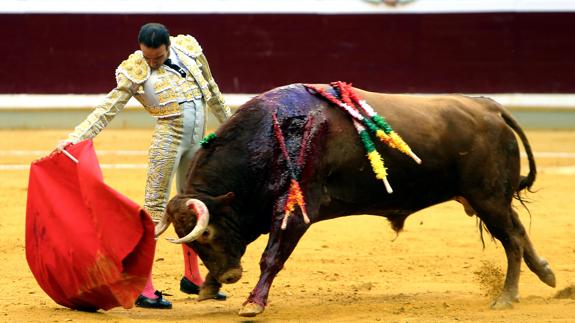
[205,237]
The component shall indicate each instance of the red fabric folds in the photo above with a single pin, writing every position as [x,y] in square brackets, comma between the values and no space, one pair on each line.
[88,246]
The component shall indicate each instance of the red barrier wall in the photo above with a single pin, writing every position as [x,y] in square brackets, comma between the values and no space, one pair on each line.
[250,53]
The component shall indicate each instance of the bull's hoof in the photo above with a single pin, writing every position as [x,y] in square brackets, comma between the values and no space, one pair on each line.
[502,302]
[251,310]
[547,276]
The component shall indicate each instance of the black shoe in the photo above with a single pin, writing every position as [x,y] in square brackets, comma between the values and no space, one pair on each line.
[159,303]
[188,287]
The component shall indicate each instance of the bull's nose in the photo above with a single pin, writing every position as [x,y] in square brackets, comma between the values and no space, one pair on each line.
[231,276]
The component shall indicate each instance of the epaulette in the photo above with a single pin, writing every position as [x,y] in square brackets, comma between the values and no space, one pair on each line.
[135,68]
[187,44]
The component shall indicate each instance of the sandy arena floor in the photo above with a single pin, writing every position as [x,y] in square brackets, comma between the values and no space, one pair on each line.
[347,270]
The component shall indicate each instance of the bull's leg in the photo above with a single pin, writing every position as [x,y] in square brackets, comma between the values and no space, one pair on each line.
[280,245]
[499,221]
[536,264]
[210,288]
[507,228]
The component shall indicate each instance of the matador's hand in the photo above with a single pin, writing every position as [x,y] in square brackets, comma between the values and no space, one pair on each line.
[62,144]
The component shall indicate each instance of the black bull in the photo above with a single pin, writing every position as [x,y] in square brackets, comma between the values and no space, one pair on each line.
[468,149]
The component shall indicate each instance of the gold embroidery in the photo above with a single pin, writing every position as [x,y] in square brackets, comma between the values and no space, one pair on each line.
[135,68]
[166,140]
[169,109]
[162,84]
[187,44]
[169,88]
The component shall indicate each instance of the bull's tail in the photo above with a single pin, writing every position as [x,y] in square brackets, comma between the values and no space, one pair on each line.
[526,181]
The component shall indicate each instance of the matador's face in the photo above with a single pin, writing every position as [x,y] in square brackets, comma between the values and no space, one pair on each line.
[155,57]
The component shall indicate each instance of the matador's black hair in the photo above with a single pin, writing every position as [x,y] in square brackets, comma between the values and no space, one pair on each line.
[154,35]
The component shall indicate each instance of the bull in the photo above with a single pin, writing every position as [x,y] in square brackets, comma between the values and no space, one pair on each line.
[236,186]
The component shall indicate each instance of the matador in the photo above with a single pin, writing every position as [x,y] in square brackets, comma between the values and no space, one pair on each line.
[171,78]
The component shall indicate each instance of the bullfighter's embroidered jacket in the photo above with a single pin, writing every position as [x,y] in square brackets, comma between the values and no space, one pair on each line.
[160,91]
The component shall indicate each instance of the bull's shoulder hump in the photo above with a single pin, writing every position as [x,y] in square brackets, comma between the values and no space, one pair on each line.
[289,92]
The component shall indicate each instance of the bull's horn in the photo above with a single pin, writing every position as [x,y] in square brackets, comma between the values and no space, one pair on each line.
[203,216]
[161,226]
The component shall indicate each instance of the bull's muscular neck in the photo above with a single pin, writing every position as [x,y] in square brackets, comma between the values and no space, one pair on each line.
[235,163]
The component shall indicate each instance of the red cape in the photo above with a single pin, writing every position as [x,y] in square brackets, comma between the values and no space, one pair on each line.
[88,246]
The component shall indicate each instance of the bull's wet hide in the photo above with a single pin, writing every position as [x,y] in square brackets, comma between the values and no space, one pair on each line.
[337,179]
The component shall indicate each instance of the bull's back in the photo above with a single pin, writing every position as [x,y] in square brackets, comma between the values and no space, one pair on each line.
[446,132]
[429,122]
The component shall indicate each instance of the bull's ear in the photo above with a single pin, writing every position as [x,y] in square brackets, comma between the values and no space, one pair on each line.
[227,198]
[230,197]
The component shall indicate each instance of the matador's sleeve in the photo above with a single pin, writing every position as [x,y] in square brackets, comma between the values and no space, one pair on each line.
[217,104]
[101,116]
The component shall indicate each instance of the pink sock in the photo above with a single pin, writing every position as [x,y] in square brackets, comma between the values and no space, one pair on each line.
[149,289]
[191,265]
